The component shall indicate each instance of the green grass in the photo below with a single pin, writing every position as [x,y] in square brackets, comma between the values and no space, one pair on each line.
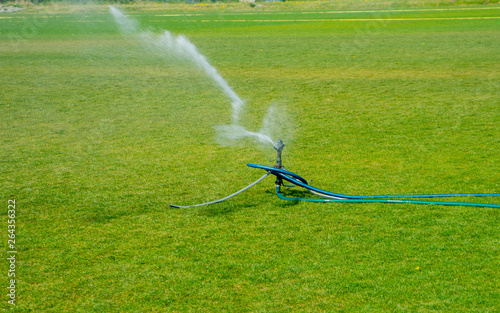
[99,136]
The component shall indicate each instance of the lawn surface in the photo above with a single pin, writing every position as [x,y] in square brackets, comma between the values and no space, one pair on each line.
[100,134]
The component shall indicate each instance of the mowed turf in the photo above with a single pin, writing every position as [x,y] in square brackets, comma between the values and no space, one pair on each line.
[99,134]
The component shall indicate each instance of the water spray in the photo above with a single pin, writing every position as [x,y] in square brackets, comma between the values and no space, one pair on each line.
[182,47]
[282,174]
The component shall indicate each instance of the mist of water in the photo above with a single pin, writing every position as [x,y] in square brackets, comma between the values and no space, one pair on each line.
[182,47]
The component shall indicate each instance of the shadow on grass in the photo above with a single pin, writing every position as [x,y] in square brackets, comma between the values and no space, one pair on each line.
[103,217]
[292,194]
[106,212]
[224,208]
[230,207]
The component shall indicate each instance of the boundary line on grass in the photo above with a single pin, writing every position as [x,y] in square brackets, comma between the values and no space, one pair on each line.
[349,19]
[335,12]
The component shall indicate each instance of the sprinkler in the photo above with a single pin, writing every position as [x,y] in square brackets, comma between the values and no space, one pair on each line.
[281,174]
[279,148]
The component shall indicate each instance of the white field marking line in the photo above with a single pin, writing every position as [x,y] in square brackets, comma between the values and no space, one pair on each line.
[354,19]
[410,10]
[337,12]
[386,11]
[93,21]
[178,14]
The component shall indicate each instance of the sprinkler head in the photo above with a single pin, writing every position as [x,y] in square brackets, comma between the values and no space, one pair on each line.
[279,148]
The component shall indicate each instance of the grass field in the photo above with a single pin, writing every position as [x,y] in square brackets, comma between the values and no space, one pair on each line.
[99,135]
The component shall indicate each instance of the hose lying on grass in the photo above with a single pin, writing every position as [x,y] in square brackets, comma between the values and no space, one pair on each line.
[225,198]
[296,180]
[328,196]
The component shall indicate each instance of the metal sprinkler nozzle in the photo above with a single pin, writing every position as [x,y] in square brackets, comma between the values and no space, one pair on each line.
[279,148]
